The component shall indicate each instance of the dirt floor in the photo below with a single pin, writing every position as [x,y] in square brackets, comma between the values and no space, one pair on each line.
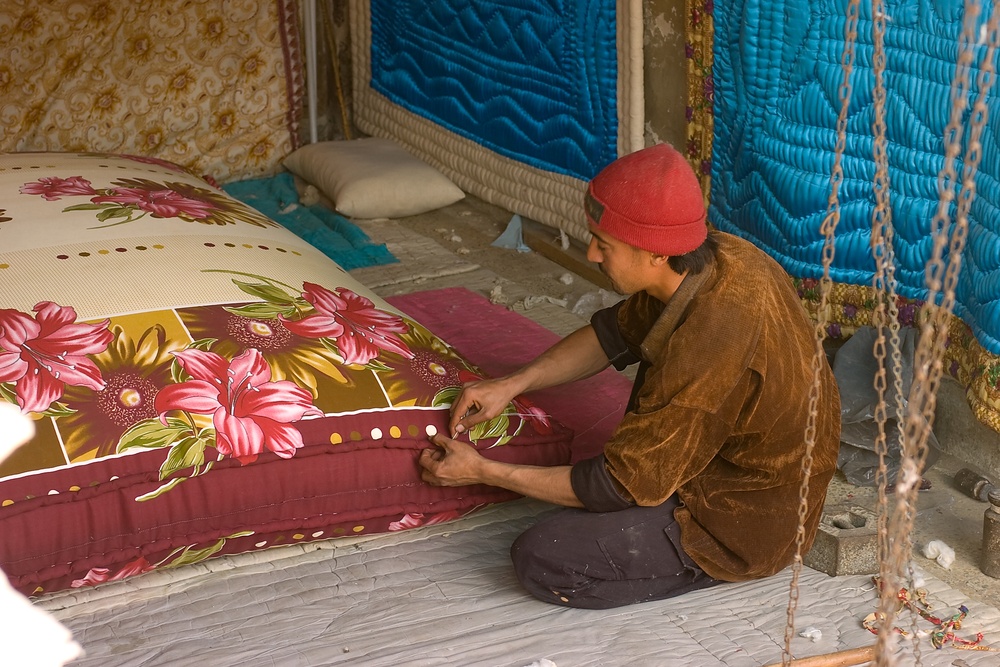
[458,241]
[469,229]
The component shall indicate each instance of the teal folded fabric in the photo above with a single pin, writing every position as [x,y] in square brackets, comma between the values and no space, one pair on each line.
[329,232]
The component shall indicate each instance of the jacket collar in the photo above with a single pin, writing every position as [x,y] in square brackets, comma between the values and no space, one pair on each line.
[670,318]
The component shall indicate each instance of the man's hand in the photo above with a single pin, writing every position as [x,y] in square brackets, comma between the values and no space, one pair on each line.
[479,402]
[454,463]
[451,463]
[577,356]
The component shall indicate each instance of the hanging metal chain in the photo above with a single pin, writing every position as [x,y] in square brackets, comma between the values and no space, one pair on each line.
[901,526]
[928,362]
[827,229]
[884,286]
[884,280]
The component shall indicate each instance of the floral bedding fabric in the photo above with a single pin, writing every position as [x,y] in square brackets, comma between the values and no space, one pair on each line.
[204,382]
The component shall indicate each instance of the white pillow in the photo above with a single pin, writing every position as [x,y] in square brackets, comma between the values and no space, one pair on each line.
[372,178]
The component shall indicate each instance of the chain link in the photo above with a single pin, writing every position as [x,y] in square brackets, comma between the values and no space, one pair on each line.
[913,425]
[929,356]
[827,229]
[886,314]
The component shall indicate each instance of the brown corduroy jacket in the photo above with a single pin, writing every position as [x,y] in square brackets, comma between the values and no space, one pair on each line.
[719,412]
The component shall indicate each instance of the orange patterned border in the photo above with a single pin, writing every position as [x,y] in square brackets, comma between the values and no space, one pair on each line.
[288,14]
[975,368]
[700,90]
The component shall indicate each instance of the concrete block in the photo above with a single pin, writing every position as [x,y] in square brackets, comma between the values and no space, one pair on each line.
[846,542]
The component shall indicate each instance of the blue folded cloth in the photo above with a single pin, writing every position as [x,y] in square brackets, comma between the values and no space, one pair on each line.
[512,237]
[329,232]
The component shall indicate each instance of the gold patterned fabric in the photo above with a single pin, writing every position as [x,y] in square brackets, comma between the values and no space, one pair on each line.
[213,85]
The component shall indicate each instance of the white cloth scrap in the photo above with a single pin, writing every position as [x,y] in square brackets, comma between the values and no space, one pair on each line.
[940,552]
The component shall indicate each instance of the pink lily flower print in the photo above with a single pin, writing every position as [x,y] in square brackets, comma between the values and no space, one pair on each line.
[359,330]
[538,417]
[417,519]
[43,354]
[251,414]
[129,199]
[158,203]
[52,188]
[99,575]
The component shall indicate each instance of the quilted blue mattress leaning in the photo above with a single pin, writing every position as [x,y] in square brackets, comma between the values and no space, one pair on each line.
[777,73]
[533,81]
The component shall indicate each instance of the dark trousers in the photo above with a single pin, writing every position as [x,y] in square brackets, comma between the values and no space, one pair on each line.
[597,560]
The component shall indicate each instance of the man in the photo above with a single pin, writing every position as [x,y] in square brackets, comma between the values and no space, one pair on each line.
[700,482]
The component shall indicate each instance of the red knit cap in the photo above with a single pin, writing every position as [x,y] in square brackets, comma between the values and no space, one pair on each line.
[649,199]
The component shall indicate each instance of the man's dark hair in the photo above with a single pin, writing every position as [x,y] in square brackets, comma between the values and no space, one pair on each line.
[695,261]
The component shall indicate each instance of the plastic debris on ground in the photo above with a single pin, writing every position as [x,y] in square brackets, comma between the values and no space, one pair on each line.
[449,234]
[855,368]
[591,302]
[512,237]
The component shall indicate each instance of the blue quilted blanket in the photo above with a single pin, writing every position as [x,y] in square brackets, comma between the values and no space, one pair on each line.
[776,75]
[535,81]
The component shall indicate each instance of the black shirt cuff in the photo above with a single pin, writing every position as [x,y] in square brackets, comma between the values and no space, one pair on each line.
[596,489]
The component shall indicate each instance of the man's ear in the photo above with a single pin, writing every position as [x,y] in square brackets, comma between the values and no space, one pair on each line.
[658,260]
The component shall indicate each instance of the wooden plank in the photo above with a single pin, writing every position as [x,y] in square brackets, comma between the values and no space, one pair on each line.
[848,658]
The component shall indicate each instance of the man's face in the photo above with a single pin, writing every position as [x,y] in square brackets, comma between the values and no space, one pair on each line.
[624,265]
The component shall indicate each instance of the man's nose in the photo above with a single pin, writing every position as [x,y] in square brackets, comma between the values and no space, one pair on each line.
[593,254]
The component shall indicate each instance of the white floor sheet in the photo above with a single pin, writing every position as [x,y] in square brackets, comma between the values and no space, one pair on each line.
[446,595]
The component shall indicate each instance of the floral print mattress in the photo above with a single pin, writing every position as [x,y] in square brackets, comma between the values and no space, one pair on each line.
[203,382]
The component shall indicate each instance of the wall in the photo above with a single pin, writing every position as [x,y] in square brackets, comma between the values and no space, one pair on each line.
[665,72]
